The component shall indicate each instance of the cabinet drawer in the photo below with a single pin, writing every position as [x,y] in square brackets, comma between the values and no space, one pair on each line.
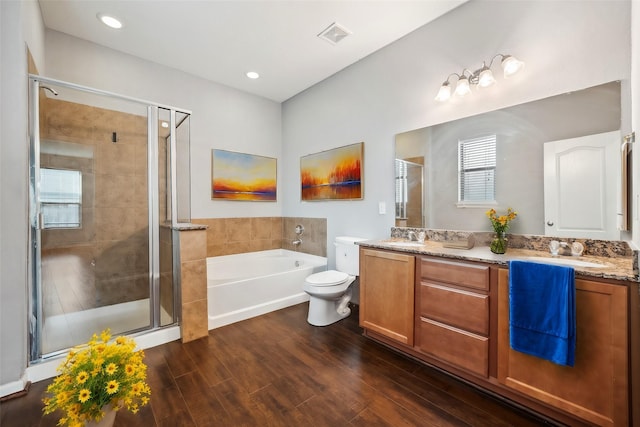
[457,273]
[464,349]
[455,307]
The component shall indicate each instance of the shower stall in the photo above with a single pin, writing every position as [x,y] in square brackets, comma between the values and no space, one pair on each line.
[109,177]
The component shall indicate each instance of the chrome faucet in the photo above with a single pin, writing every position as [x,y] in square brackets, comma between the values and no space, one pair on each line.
[299,231]
[563,248]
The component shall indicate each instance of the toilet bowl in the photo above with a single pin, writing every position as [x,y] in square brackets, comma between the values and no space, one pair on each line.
[330,291]
[329,296]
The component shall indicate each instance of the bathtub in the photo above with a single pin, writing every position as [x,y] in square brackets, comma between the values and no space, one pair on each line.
[247,285]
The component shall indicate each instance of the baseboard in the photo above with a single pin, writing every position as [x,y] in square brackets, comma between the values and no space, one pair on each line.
[14,388]
[47,369]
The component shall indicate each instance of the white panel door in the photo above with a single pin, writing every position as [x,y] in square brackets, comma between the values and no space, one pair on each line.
[581,186]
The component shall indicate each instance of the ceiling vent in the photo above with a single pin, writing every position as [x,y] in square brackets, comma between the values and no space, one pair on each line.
[334,33]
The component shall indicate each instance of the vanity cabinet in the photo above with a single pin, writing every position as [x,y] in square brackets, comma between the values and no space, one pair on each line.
[596,387]
[454,314]
[387,294]
[452,321]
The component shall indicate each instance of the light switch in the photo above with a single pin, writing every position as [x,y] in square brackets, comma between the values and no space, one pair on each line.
[382,208]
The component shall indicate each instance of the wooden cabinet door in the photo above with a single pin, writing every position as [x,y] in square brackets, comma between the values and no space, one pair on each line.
[596,388]
[387,294]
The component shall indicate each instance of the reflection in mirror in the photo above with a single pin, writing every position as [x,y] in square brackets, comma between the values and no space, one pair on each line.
[409,192]
[521,133]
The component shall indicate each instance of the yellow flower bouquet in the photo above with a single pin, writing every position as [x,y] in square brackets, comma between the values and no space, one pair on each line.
[500,225]
[95,375]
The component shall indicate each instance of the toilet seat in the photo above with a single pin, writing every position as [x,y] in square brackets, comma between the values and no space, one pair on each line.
[327,278]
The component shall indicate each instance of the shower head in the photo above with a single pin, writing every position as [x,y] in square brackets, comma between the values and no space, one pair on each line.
[49,89]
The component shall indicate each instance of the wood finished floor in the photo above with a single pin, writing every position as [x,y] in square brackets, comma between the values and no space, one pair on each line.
[277,370]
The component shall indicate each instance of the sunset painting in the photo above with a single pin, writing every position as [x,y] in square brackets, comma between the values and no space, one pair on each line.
[238,176]
[333,175]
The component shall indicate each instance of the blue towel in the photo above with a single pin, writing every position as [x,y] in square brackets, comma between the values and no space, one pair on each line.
[542,311]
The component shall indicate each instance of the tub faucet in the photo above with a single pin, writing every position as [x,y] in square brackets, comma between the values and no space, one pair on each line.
[297,242]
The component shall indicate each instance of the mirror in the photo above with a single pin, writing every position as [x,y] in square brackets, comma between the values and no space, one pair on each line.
[521,132]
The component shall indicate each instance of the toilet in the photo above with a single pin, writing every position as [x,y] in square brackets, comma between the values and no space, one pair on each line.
[330,291]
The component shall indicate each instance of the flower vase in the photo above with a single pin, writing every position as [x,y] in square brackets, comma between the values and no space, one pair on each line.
[106,421]
[499,243]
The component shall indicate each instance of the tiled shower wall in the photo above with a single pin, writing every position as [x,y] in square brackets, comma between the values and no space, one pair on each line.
[228,236]
[115,208]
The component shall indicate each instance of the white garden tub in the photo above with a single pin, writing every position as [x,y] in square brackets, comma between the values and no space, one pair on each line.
[250,284]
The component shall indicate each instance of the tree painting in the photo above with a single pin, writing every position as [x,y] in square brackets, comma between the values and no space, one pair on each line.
[333,175]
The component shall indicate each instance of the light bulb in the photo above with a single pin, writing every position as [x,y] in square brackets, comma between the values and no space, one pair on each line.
[486,79]
[444,93]
[511,65]
[463,88]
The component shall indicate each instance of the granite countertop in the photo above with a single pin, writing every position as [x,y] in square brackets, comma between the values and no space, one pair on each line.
[618,268]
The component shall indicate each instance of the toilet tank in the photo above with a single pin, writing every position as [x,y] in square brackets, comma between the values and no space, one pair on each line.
[347,254]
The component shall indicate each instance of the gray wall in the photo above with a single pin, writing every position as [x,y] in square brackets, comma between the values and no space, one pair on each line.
[20,24]
[567,45]
[223,118]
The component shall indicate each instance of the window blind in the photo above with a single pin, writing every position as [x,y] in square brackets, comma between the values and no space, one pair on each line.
[477,169]
[61,198]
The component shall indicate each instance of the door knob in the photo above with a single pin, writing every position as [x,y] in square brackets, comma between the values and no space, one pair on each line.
[550,223]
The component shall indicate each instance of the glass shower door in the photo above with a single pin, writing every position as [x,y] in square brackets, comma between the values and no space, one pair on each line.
[91,210]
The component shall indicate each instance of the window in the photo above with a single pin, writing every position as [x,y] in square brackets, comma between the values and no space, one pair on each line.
[477,170]
[61,198]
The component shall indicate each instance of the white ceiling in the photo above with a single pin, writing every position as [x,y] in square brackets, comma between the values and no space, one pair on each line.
[221,40]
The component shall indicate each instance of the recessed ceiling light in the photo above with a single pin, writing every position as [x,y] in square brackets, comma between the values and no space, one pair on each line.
[253,75]
[110,21]
[164,124]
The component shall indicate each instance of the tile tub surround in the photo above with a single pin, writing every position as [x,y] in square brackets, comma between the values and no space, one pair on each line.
[229,236]
[193,283]
[314,238]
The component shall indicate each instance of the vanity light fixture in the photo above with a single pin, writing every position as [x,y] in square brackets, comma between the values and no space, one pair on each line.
[482,77]
[109,21]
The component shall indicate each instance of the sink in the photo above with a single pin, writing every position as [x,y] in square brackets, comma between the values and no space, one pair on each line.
[404,244]
[571,262]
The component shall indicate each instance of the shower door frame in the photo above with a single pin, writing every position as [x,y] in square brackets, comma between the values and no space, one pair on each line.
[35,320]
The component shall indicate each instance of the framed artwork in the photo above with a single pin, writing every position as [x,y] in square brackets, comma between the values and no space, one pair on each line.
[239,176]
[333,174]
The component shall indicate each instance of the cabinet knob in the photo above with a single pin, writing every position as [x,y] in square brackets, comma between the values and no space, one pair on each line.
[550,223]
